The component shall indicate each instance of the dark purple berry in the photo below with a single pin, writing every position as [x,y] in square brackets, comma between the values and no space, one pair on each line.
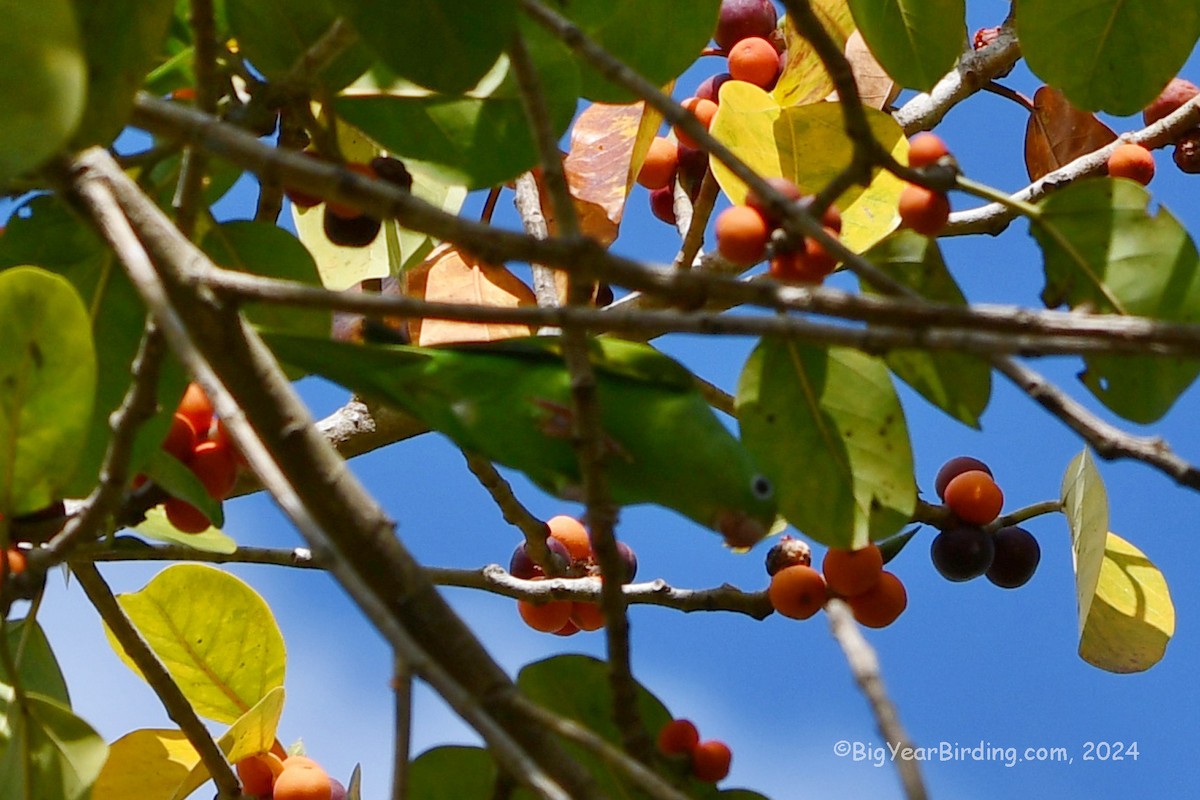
[393,171]
[710,88]
[662,204]
[357,231]
[522,566]
[741,19]
[962,553]
[1016,559]
[630,560]
[788,552]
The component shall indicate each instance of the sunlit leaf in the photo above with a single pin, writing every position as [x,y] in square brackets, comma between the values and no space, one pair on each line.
[1085,504]
[1058,133]
[958,383]
[827,427]
[804,78]
[43,80]
[156,527]
[253,733]
[452,276]
[916,41]
[215,635]
[146,764]
[780,142]
[1132,618]
[1106,253]
[46,752]
[48,377]
[1107,55]
[122,40]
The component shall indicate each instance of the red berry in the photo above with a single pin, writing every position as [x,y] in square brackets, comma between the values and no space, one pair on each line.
[662,204]
[678,737]
[923,210]
[1131,161]
[340,209]
[216,468]
[925,149]
[181,438]
[974,497]
[196,406]
[185,517]
[1173,95]
[711,760]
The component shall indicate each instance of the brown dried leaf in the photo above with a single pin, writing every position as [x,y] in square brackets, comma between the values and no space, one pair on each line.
[1058,133]
[875,87]
[449,275]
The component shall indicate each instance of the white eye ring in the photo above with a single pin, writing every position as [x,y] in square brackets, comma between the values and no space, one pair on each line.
[761,487]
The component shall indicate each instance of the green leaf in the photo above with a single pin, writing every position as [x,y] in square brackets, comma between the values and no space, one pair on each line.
[36,665]
[804,78]
[52,237]
[1085,504]
[43,80]
[826,426]
[179,481]
[658,39]
[452,773]
[447,47]
[46,752]
[1132,617]
[276,34]
[47,386]
[1105,252]
[264,249]
[477,139]
[1107,55]
[215,635]
[780,142]
[958,383]
[916,41]
[156,527]
[122,40]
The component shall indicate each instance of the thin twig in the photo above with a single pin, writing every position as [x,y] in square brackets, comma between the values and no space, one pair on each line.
[864,665]
[702,210]
[516,514]
[527,199]
[160,680]
[402,686]
[194,163]
[137,407]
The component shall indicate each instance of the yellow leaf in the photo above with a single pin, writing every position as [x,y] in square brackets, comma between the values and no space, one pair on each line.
[145,765]
[1131,618]
[804,79]
[808,145]
[215,635]
[1085,504]
[212,540]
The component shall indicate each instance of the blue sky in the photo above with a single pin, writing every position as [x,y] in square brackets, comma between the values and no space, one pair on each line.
[966,664]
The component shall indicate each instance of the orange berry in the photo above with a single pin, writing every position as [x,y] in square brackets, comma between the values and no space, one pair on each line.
[546,617]
[851,572]
[216,468]
[302,781]
[345,211]
[923,210]
[880,605]
[710,761]
[703,110]
[181,438]
[221,436]
[196,406]
[587,616]
[974,497]
[742,234]
[570,629]
[1131,161]
[258,773]
[797,591]
[926,148]
[678,737]
[184,516]
[573,535]
[754,60]
[662,160]
[12,562]
[185,94]
[299,761]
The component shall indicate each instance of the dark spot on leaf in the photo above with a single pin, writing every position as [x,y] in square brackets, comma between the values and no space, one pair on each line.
[35,352]
[770,418]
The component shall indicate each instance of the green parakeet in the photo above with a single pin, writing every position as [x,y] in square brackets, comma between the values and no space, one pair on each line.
[510,402]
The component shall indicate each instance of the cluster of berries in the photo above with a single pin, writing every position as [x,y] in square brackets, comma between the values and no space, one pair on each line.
[965,549]
[921,209]
[199,440]
[1187,146]
[346,225]
[746,32]
[876,597]
[270,776]
[708,761]
[570,542]
[744,231]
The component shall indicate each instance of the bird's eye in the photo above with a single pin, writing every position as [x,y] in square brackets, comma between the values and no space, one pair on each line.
[762,488]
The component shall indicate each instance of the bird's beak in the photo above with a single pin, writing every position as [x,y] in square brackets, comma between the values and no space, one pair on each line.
[740,530]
